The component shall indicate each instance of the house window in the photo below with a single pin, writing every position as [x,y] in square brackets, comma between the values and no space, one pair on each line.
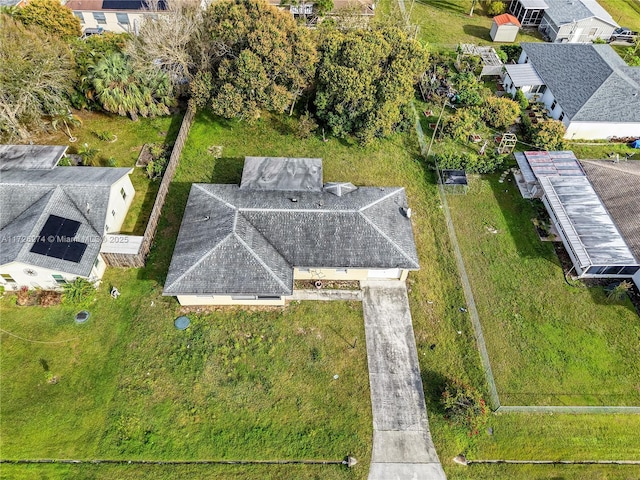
[113,213]
[123,193]
[80,16]
[561,117]
[629,270]
[341,271]
[593,32]
[100,18]
[553,105]
[243,297]
[268,297]
[106,228]
[123,18]
[97,262]
[303,270]
[8,278]
[59,279]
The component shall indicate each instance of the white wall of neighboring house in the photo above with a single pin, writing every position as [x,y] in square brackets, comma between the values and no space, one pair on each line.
[636,278]
[595,131]
[119,204]
[581,31]
[32,276]
[111,21]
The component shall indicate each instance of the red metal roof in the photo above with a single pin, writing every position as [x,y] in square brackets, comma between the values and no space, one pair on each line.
[505,19]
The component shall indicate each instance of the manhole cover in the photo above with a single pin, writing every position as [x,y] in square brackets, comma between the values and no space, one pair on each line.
[182,323]
[82,316]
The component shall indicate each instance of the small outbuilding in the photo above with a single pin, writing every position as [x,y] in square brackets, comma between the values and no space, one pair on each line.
[504,28]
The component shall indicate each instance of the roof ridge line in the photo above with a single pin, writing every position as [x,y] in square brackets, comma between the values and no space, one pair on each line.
[199,186]
[257,257]
[397,247]
[99,234]
[202,258]
[381,199]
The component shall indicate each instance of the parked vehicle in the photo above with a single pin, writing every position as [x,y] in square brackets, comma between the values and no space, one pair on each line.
[623,34]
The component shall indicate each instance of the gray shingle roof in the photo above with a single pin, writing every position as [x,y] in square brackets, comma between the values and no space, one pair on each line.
[618,185]
[590,82]
[29,197]
[29,157]
[243,241]
[280,173]
[568,11]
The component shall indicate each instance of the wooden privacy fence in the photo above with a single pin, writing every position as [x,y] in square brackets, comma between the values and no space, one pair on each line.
[138,259]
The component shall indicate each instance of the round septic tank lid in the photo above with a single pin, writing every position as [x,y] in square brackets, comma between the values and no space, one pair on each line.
[82,316]
[182,323]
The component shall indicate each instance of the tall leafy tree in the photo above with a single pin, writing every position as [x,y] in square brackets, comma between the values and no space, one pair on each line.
[36,76]
[263,58]
[366,80]
[53,17]
[120,89]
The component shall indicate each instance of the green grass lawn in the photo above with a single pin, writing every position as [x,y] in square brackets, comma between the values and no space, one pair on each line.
[624,12]
[131,136]
[106,405]
[549,343]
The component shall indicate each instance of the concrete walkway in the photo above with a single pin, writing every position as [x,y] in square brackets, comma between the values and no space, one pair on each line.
[402,446]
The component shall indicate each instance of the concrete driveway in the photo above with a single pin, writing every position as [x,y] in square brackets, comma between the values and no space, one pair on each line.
[402,445]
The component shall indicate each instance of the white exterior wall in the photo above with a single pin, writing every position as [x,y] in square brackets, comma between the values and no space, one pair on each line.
[112,25]
[198,300]
[636,278]
[119,205]
[601,131]
[504,33]
[583,31]
[43,277]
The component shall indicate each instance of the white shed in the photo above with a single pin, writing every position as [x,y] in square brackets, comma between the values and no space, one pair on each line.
[504,28]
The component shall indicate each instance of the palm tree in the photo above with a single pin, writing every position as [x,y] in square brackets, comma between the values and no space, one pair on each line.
[66,118]
[122,90]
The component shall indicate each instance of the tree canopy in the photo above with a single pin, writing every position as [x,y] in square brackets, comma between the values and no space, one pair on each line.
[263,58]
[366,79]
[120,89]
[50,15]
[35,78]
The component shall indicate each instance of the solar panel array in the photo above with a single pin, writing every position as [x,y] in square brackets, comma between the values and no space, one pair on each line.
[56,240]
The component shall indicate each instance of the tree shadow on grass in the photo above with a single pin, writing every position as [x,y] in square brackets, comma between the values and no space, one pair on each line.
[444,5]
[478,31]
[227,170]
[164,242]
[433,384]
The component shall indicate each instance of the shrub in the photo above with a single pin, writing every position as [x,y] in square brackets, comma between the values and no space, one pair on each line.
[619,291]
[500,112]
[502,55]
[513,52]
[522,100]
[78,291]
[549,135]
[465,407]
[470,162]
[88,153]
[306,126]
[461,124]
[496,8]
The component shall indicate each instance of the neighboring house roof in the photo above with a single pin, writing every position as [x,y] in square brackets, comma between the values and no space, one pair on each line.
[591,82]
[30,157]
[506,19]
[33,199]
[523,74]
[112,5]
[245,241]
[534,4]
[618,185]
[569,11]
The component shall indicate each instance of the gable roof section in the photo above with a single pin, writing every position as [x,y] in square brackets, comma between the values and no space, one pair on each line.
[29,197]
[506,19]
[590,82]
[240,241]
[618,185]
[569,11]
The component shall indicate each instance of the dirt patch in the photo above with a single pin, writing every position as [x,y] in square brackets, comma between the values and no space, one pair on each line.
[43,298]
